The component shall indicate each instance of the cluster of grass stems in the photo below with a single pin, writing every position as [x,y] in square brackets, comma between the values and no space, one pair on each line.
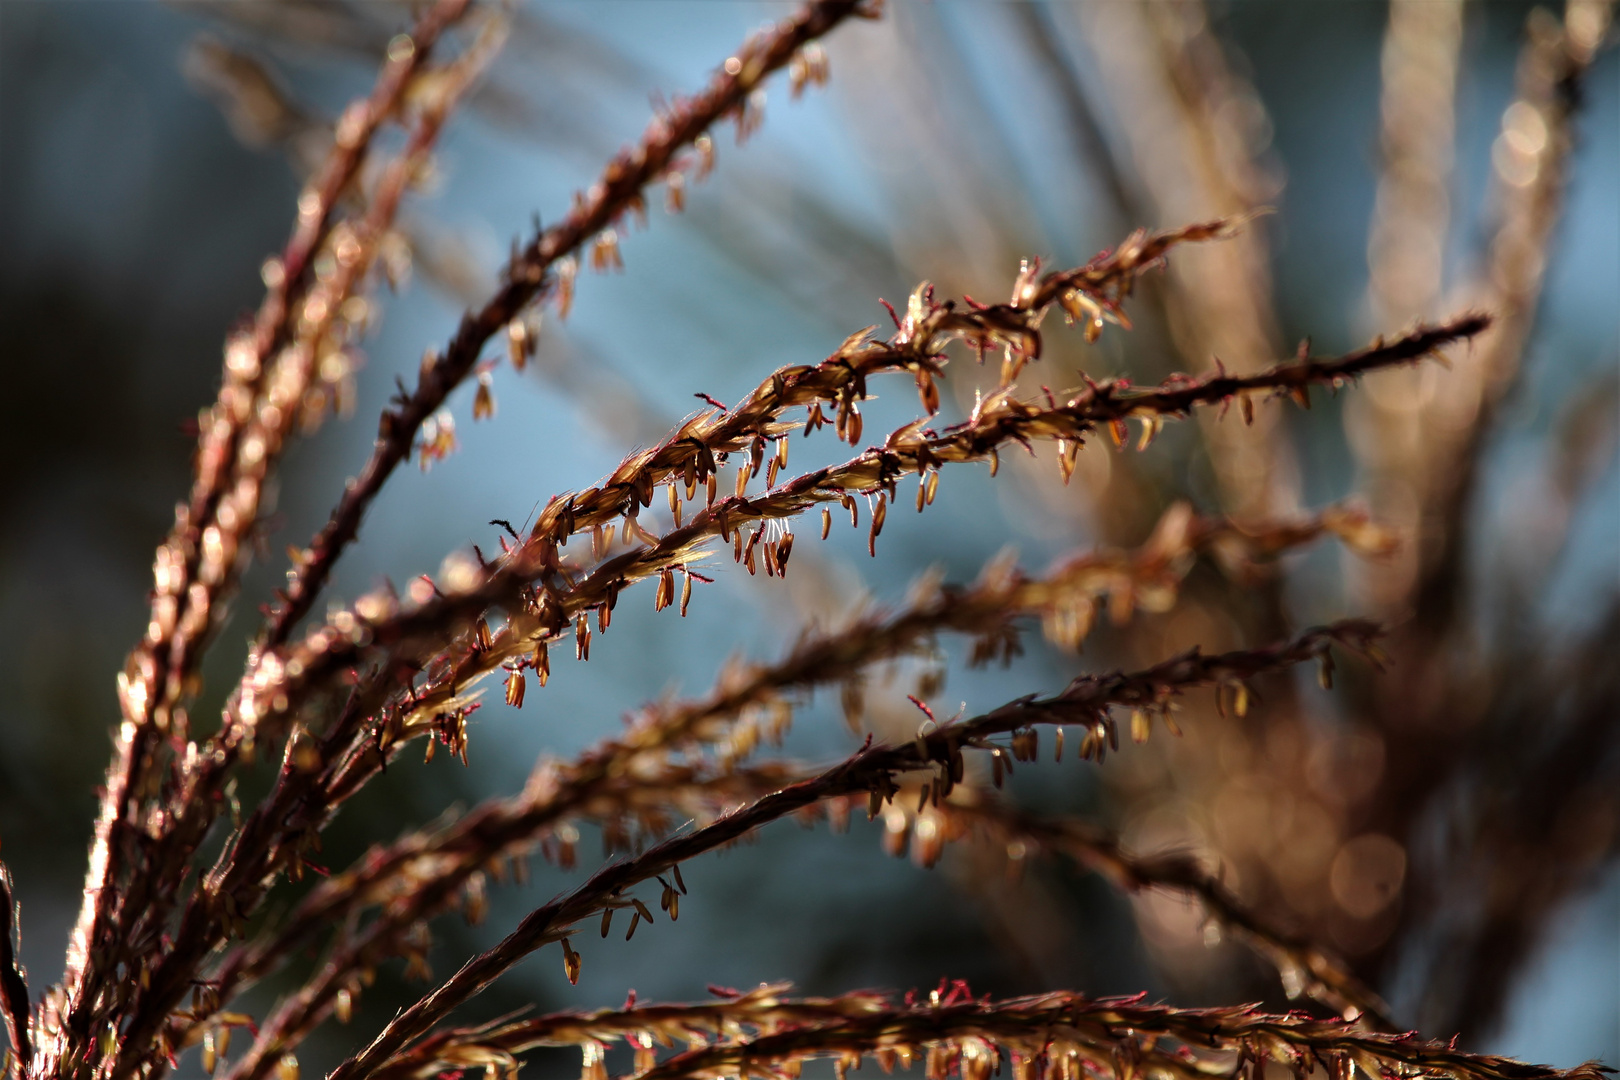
[167,940]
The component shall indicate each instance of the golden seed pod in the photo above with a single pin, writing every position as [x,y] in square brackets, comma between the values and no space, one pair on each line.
[484,397]
[1141,725]
[571,963]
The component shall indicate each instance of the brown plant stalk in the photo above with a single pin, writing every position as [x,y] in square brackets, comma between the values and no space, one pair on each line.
[1532,157]
[1093,292]
[422,873]
[1086,701]
[284,678]
[676,547]
[528,277]
[197,563]
[1069,1036]
[430,872]
[215,909]
[619,191]
[148,894]
[766,1008]
[178,873]
[1390,431]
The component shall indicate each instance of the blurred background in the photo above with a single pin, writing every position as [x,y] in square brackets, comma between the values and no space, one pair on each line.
[150,156]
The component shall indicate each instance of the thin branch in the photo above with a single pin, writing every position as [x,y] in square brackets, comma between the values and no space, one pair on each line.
[619,191]
[356,245]
[427,873]
[529,277]
[1417,714]
[1086,701]
[1042,38]
[198,560]
[1405,261]
[1406,243]
[1062,1031]
[690,454]
[283,680]
[421,873]
[645,1027]
[1531,174]
[1177,99]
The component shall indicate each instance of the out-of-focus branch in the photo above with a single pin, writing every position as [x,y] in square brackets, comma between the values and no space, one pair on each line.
[1041,38]
[1406,248]
[1429,440]
[1531,158]
[1423,712]
[1306,966]
[1586,434]
[1197,131]
[1390,424]
[260,111]
[1537,828]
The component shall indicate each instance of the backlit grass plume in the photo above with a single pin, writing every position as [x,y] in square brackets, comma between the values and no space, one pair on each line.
[193,897]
